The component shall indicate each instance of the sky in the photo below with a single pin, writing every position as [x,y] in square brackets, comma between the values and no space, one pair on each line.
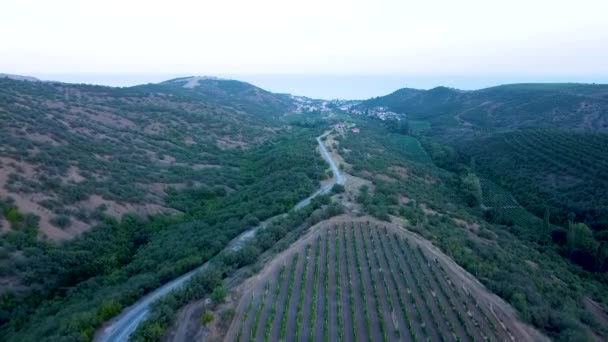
[430,39]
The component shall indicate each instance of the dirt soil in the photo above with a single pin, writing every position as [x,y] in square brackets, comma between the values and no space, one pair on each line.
[597,310]
[329,142]
[28,203]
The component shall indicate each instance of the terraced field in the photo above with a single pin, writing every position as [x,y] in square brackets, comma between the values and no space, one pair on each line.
[362,281]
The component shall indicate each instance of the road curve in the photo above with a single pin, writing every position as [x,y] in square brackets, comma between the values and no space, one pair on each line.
[338,177]
[122,326]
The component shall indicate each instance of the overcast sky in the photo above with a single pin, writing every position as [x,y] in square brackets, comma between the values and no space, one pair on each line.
[305,36]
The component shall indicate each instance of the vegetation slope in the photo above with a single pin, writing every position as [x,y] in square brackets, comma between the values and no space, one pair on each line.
[190,173]
[531,158]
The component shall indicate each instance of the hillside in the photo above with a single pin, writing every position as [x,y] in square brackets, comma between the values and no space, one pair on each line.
[107,193]
[71,153]
[544,143]
[369,280]
[514,106]
[238,95]
[399,288]
[440,202]
[559,176]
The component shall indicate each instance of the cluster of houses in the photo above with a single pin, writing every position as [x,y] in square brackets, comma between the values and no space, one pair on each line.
[307,105]
[330,107]
[343,127]
[383,113]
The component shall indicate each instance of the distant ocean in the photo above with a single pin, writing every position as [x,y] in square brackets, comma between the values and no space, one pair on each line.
[327,86]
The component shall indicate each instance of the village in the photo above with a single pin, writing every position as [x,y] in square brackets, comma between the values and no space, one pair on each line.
[343,127]
[308,105]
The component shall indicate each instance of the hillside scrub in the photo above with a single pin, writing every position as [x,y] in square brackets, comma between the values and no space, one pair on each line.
[123,259]
[226,264]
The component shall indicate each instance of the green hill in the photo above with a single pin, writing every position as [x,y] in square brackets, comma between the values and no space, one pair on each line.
[238,95]
[106,193]
[567,105]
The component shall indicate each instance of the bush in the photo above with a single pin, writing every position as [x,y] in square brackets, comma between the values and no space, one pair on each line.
[471,189]
[13,216]
[61,221]
[337,189]
[218,295]
[207,317]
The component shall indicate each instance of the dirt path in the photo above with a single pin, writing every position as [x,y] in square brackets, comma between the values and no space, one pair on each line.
[360,315]
[346,288]
[365,263]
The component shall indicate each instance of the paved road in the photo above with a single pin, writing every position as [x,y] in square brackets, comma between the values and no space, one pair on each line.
[122,326]
[337,179]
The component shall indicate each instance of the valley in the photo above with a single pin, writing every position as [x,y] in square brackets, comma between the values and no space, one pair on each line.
[210,209]
[127,322]
[272,171]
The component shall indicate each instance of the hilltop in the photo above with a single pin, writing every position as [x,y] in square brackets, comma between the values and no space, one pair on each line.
[239,95]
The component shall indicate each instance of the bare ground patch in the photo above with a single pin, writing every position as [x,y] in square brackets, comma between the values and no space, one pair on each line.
[117,209]
[401,171]
[474,227]
[599,312]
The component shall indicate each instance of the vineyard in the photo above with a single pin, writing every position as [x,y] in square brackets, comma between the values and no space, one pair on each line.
[563,171]
[500,200]
[410,147]
[356,281]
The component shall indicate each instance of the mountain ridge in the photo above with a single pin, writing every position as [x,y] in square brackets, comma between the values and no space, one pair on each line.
[546,105]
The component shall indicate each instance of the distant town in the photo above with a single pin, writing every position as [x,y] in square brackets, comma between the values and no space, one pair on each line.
[308,105]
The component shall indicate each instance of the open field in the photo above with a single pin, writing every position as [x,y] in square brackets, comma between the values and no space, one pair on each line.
[369,281]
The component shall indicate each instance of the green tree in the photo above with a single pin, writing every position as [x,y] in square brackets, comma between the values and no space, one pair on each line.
[218,295]
[337,188]
[471,189]
[602,257]
[108,309]
[580,237]
[546,220]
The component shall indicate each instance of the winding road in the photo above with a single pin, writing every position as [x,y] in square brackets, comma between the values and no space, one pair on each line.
[121,327]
